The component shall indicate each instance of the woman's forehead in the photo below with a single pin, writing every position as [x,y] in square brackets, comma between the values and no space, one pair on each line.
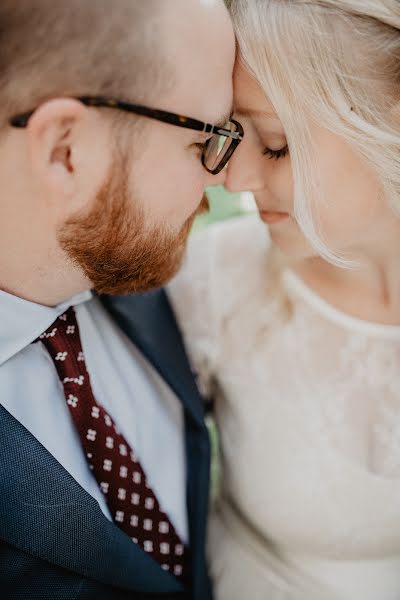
[249,98]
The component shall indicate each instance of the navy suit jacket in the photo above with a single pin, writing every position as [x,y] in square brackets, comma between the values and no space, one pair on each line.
[55,542]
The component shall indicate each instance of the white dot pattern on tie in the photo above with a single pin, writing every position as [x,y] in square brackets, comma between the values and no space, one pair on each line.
[114,464]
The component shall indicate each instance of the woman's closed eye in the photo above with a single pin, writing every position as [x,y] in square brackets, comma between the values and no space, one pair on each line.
[276,154]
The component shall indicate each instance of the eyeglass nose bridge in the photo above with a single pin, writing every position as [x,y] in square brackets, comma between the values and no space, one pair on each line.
[235,135]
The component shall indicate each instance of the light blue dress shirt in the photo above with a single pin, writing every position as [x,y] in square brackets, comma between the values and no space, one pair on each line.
[144,408]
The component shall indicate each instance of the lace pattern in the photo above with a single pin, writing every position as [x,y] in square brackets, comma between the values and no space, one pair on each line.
[309,407]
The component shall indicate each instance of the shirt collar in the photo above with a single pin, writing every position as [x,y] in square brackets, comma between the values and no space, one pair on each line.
[21,321]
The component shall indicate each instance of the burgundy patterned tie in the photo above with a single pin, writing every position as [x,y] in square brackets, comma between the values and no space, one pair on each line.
[132,503]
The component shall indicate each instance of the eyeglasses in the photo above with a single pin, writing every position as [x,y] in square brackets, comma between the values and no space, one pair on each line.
[217,151]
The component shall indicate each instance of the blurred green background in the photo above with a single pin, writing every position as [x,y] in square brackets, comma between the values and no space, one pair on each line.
[224,205]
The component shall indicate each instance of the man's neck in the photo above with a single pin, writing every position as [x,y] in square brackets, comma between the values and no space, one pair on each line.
[44,287]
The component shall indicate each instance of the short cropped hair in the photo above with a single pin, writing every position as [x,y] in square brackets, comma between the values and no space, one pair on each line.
[52,48]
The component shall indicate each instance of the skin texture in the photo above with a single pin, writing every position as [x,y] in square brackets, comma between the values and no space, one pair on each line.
[87,205]
[355,218]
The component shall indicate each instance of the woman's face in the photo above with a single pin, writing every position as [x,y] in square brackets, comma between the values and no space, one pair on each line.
[352,211]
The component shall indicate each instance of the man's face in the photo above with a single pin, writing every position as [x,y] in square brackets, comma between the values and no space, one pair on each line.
[134,235]
[118,251]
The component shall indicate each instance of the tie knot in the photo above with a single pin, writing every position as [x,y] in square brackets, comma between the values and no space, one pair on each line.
[65,325]
[63,343]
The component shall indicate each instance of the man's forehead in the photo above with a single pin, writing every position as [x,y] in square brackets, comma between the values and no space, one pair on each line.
[204,99]
[202,54]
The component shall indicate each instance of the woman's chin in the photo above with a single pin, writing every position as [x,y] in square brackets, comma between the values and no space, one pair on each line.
[291,244]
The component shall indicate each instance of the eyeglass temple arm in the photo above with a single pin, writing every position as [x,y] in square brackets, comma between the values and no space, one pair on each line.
[21,121]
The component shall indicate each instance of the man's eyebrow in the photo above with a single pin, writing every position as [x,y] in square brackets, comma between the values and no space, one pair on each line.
[223,121]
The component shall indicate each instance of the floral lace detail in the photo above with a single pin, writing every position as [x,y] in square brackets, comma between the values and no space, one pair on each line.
[388,434]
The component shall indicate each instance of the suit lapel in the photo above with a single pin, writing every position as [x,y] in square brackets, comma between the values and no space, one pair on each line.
[149,322]
[41,504]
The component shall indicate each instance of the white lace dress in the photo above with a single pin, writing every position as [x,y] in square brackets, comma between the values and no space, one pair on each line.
[308,410]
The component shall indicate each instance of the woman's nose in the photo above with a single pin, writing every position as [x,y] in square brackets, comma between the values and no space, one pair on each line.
[244,172]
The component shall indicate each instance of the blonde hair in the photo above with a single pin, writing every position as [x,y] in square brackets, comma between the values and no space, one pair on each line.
[337,63]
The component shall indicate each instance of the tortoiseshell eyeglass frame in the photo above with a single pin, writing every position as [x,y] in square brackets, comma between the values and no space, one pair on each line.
[21,121]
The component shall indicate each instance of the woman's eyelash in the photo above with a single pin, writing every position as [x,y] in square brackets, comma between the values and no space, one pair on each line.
[276,154]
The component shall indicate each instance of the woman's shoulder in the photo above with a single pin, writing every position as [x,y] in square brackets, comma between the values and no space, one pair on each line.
[224,264]
[235,232]
[225,247]
[232,246]
[224,269]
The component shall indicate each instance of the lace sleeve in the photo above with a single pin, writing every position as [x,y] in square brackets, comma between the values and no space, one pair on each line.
[191,293]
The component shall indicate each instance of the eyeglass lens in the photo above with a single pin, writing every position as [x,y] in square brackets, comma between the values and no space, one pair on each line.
[217,148]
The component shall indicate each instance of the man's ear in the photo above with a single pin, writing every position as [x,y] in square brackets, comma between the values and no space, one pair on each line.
[52,138]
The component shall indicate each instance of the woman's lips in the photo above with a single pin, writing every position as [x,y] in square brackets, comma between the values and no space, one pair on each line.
[272,216]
